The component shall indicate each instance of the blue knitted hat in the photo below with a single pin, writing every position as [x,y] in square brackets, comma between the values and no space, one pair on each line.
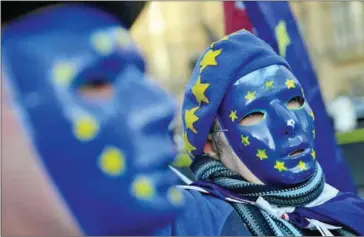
[222,64]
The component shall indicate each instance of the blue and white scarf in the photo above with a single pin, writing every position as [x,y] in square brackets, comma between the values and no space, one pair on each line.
[303,209]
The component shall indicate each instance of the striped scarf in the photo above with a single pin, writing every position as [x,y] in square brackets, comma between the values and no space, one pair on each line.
[259,222]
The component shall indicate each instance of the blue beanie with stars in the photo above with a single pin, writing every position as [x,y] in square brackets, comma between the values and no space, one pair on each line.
[222,64]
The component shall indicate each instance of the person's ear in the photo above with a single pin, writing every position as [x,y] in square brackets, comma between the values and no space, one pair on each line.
[208,146]
[209,149]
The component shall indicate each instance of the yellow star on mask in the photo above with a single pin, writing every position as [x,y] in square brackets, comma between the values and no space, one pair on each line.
[199,89]
[233,116]
[269,84]
[261,154]
[188,146]
[191,118]
[175,196]
[102,43]
[63,73]
[302,165]
[290,84]
[312,114]
[280,166]
[112,161]
[226,37]
[143,188]
[314,133]
[209,59]
[313,154]
[245,140]
[283,39]
[250,96]
[85,128]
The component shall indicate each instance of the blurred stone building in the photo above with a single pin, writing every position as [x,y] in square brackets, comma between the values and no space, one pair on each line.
[334,34]
[171,35]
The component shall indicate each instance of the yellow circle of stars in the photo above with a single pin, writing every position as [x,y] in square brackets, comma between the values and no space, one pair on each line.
[85,128]
[175,196]
[198,90]
[290,84]
[250,95]
[102,43]
[143,188]
[191,118]
[112,161]
[233,116]
[261,154]
[63,73]
[280,166]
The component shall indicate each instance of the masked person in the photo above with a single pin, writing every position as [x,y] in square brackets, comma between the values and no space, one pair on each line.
[90,152]
[100,129]
[244,100]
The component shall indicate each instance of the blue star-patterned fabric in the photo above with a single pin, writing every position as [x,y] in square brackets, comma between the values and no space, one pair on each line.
[108,154]
[221,65]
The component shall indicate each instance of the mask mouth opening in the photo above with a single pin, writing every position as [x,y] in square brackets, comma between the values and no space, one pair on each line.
[297,152]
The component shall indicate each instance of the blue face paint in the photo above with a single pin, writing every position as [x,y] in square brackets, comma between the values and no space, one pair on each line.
[108,155]
[270,126]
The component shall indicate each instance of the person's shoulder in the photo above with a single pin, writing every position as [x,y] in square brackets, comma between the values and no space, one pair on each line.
[231,224]
[202,200]
[205,215]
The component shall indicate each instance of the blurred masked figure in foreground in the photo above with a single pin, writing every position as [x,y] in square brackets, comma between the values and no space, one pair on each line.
[86,145]
[91,122]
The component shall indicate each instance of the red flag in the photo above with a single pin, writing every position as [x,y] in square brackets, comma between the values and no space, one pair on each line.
[236,17]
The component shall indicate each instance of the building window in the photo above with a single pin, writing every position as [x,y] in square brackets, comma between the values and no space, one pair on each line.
[347,21]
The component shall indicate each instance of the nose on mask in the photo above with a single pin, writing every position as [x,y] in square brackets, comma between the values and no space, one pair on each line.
[283,121]
[148,105]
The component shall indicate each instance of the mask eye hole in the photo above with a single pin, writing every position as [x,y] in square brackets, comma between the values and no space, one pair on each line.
[252,118]
[295,102]
[96,88]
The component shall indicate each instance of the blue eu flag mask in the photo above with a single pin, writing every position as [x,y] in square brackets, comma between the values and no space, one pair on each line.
[98,125]
[269,125]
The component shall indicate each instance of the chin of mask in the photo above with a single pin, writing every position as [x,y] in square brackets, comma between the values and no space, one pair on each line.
[270,126]
[96,123]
